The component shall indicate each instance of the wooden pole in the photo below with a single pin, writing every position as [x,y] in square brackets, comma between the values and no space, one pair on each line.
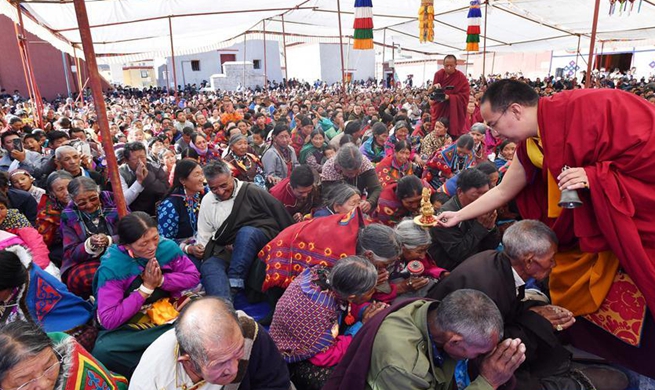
[170,34]
[484,48]
[265,64]
[245,34]
[384,50]
[577,54]
[594,26]
[100,106]
[29,69]
[343,71]
[286,59]
[78,73]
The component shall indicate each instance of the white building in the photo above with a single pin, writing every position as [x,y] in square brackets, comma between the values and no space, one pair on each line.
[196,68]
[322,61]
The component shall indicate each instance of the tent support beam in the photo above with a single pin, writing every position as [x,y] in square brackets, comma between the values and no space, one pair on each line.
[286,59]
[78,73]
[594,26]
[170,34]
[384,49]
[343,71]
[484,49]
[577,54]
[28,68]
[245,11]
[245,48]
[265,64]
[100,106]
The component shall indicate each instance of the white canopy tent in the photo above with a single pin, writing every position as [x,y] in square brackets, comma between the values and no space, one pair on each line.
[129,30]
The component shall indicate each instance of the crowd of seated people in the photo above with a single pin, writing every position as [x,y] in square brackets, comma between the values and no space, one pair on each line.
[297,199]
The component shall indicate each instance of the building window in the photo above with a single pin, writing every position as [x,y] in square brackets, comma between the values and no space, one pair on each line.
[144,74]
[195,65]
[256,64]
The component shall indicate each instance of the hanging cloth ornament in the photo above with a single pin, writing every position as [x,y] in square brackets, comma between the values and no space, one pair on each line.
[473,30]
[363,25]
[612,6]
[426,21]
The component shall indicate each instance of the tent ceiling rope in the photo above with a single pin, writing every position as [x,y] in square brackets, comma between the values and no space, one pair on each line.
[512,25]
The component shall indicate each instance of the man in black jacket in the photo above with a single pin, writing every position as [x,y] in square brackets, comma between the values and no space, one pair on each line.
[235,221]
[451,246]
[143,184]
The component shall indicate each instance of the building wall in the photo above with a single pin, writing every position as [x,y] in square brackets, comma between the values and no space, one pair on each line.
[359,62]
[304,62]
[133,77]
[49,68]
[210,62]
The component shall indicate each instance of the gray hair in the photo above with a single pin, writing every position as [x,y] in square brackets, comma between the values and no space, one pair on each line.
[412,235]
[202,324]
[349,157]
[19,341]
[379,239]
[64,149]
[470,314]
[479,127]
[82,184]
[528,236]
[352,275]
[216,168]
[57,175]
[339,194]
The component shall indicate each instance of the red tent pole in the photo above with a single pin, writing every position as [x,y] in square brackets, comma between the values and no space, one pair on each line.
[343,71]
[22,42]
[265,64]
[170,33]
[286,60]
[587,82]
[100,106]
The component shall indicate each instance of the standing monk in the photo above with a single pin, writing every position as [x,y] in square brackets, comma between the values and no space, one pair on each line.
[607,138]
[456,87]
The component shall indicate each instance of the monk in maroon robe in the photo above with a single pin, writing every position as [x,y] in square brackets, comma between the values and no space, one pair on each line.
[457,89]
[607,137]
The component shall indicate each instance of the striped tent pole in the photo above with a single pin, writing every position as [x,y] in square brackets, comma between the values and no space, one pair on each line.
[473,30]
[363,25]
[426,21]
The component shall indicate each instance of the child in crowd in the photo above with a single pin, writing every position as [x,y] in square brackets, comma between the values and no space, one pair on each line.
[23,180]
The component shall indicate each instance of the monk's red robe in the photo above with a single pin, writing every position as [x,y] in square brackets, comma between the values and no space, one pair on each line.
[611,134]
[455,108]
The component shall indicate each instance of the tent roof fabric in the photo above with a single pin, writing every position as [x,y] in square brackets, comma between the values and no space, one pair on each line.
[130,30]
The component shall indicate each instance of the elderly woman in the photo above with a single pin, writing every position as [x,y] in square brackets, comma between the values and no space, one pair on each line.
[136,283]
[478,131]
[339,199]
[449,161]
[351,167]
[245,166]
[206,152]
[88,227]
[177,214]
[399,200]
[415,243]
[396,166]
[437,138]
[280,158]
[32,359]
[49,213]
[314,322]
[373,147]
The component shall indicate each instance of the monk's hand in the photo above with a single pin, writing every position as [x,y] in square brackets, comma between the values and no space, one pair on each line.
[499,366]
[373,309]
[448,219]
[559,317]
[573,179]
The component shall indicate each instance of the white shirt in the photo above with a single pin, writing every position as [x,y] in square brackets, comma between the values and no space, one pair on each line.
[213,212]
[130,192]
[160,370]
[518,281]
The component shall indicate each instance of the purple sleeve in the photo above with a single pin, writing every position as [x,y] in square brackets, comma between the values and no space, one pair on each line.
[113,309]
[182,275]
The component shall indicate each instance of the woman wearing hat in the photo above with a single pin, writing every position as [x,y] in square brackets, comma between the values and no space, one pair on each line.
[245,166]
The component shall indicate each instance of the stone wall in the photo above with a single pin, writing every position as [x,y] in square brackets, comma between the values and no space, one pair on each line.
[232,77]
